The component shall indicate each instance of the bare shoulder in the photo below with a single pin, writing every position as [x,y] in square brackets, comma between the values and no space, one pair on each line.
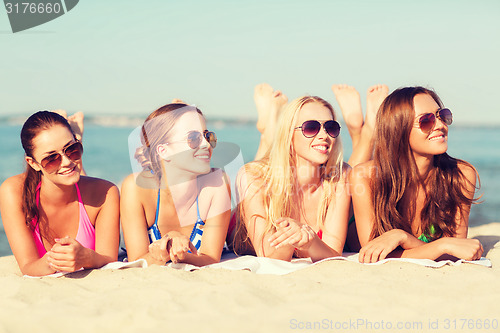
[129,182]
[251,174]
[363,171]
[346,170]
[215,178]
[95,190]
[468,170]
[95,183]
[139,182]
[13,185]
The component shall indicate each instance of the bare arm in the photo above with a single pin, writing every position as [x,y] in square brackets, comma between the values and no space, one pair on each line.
[458,246]
[359,180]
[19,235]
[134,223]
[107,230]
[337,217]
[387,244]
[252,202]
[302,237]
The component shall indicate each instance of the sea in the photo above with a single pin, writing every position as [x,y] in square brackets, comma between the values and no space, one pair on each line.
[108,146]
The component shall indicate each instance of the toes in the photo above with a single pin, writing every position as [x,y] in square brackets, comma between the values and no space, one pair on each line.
[61,112]
[263,88]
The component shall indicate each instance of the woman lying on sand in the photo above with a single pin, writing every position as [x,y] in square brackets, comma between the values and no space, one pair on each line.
[294,199]
[55,218]
[177,209]
[413,200]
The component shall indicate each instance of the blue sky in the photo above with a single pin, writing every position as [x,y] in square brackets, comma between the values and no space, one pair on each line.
[130,57]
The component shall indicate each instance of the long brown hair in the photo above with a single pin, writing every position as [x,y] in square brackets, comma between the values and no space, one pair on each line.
[155,131]
[36,123]
[396,175]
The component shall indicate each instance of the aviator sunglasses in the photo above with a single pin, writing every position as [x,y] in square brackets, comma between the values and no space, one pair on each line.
[194,139]
[311,128]
[53,162]
[427,121]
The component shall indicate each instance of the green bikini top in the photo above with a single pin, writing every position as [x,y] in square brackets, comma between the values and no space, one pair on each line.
[426,238]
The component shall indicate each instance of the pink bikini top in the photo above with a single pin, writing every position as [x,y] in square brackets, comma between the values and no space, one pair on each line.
[86,231]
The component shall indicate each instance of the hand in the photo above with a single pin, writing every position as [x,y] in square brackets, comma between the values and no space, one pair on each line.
[292,233]
[158,250]
[378,248]
[180,247]
[67,255]
[462,248]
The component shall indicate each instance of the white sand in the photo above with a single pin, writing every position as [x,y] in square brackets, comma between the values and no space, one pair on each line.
[210,300]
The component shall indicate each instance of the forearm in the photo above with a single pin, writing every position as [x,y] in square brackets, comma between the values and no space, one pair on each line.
[431,250]
[38,267]
[200,259]
[319,250]
[149,259]
[283,253]
[96,260]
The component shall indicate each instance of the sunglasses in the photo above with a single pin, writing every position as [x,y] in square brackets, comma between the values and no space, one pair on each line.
[194,139]
[311,128]
[427,121]
[53,162]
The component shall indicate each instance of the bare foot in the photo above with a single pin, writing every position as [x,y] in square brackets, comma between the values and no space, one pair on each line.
[374,98]
[269,104]
[75,121]
[350,105]
[364,150]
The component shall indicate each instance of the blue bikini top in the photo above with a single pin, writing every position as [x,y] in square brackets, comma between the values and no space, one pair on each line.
[196,234]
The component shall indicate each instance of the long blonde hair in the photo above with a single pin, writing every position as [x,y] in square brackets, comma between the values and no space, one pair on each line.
[277,171]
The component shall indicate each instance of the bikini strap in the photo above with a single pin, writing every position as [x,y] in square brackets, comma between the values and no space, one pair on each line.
[157,208]
[78,192]
[198,209]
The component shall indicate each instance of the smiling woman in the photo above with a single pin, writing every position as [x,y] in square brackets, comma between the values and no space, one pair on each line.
[413,200]
[177,209]
[56,219]
[295,200]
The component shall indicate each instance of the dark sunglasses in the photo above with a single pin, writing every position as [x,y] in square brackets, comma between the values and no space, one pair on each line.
[427,121]
[53,162]
[194,139]
[311,128]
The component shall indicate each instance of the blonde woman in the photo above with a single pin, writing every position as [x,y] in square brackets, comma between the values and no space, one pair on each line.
[295,200]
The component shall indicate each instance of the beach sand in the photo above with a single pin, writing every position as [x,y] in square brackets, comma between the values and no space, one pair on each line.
[331,296]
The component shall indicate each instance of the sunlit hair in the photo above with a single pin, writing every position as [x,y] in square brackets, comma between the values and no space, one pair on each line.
[277,171]
[395,182]
[156,130]
[36,123]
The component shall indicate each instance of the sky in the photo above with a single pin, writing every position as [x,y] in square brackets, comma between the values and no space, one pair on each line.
[130,57]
